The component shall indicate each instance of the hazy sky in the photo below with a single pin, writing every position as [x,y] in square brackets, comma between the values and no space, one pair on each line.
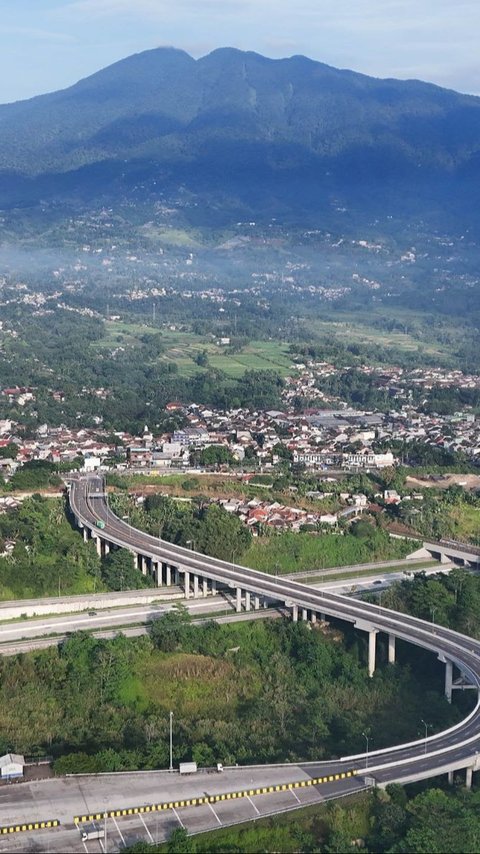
[49,44]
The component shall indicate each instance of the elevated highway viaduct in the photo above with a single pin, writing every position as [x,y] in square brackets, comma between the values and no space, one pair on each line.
[447,751]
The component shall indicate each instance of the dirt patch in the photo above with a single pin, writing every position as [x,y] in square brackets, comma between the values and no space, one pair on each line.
[468,481]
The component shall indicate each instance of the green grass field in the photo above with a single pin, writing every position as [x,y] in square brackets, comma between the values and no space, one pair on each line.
[257,355]
[183,347]
[467,523]
[295,552]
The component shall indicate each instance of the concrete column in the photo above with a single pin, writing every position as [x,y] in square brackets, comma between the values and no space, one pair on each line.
[157,572]
[304,615]
[175,576]
[313,617]
[187,584]
[372,648]
[85,535]
[444,558]
[468,777]
[295,613]
[256,602]
[239,600]
[322,618]
[448,680]
[450,778]
[214,587]
[98,544]
[247,600]
[391,649]
[205,586]
[168,575]
[143,564]
[195,586]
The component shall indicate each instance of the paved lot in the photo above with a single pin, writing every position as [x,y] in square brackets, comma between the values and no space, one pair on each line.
[122,832]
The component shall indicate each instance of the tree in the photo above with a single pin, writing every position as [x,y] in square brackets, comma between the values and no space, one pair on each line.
[179,842]
[120,573]
[9,451]
[171,631]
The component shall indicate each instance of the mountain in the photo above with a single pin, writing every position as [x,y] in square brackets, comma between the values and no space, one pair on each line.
[244,133]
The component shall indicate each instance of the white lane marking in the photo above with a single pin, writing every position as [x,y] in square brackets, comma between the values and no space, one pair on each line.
[178,817]
[215,814]
[86,849]
[253,805]
[82,621]
[77,621]
[102,845]
[146,828]
[120,832]
[295,795]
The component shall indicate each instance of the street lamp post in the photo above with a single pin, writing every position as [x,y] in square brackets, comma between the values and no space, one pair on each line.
[433,614]
[367,739]
[192,544]
[171,741]
[426,732]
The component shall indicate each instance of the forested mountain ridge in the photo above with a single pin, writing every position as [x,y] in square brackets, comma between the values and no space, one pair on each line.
[256,129]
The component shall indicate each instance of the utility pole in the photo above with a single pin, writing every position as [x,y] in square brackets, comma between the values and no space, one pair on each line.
[426,732]
[366,755]
[171,741]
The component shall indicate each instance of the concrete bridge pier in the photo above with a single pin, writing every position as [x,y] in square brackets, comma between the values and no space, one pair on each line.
[247,600]
[195,586]
[391,649]
[304,615]
[295,613]
[448,680]
[256,603]
[468,777]
[143,564]
[85,535]
[186,578]
[156,572]
[168,575]
[205,587]
[238,604]
[313,617]
[214,587]
[372,649]
[98,545]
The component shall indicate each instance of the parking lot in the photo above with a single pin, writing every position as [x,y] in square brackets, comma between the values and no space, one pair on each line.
[152,827]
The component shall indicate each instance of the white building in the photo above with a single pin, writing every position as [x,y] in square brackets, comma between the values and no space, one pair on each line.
[11,766]
[367,459]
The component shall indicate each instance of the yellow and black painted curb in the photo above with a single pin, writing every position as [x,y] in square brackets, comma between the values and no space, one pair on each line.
[213,799]
[33,825]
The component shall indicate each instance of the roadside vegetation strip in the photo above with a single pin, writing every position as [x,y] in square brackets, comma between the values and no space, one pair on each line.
[361,576]
[213,799]
[33,825]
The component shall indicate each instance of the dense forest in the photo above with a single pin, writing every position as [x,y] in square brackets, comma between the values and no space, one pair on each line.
[49,557]
[102,705]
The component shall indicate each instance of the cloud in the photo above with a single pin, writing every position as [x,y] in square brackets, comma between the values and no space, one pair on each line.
[35,33]
[153,10]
